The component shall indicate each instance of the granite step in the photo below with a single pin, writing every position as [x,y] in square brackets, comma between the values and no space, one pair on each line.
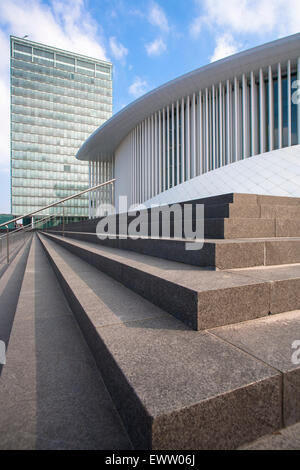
[214,227]
[174,388]
[228,206]
[275,341]
[218,254]
[284,439]
[220,228]
[199,297]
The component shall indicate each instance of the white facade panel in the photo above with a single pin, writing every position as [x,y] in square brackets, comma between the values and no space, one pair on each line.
[237,108]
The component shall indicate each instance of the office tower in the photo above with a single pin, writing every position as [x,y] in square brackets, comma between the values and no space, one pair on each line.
[58,98]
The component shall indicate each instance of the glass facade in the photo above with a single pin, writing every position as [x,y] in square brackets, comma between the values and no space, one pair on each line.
[57,100]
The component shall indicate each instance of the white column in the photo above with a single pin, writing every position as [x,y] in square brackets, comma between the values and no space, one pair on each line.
[140,163]
[245,118]
[206,131]
[177,144]
[254,117]
[173,148]
[262,112]
[149,158]
[271,110]
[164,185]
[223,127]
[188,139]
[213,100]
[218,122]
[146,160]
[279,107]
[200,135]
[134,167]
[168,147]
[289,100]
[160,189]
[228,121]
[182,156]
[236,118]
[193,136]
[155,156]
[221,156]
[144,168]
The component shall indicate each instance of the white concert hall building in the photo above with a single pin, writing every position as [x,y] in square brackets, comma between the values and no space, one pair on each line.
[231,126]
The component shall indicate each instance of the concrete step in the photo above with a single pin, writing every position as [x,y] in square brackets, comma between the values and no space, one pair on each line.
[218,209]
[174,388]
[220,228]
[199,297]
[251,228]
[284,439]
[219,254]
[52,395]
[274,341]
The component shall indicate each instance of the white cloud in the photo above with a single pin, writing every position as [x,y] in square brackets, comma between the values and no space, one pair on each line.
[263,17]
[117,49]
[138,87]
[232,22]
[61,23]
[156,47]
[157,17]
[196,26]
[225,47]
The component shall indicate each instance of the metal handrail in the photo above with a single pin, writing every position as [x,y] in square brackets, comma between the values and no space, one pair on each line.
[25,226]
[62,201]
[58,202]
[24,229]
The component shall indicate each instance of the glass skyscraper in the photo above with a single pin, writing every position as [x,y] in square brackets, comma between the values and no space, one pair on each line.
[58,99]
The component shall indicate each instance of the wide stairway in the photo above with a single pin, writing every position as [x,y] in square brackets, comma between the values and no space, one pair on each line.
[118,343]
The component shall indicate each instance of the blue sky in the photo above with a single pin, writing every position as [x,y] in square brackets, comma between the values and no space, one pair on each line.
[149,42]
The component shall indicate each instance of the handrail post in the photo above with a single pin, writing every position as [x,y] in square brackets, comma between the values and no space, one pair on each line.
[7,242]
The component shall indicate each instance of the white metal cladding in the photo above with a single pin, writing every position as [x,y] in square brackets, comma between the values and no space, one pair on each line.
[213,127]
[275,173]
[99,172]
[227,111]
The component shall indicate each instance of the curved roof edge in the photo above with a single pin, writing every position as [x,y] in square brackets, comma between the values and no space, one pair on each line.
[108,136]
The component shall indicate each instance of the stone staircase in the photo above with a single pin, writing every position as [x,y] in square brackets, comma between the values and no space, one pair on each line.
[194,347]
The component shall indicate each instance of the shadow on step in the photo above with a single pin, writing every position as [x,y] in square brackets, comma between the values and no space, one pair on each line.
[73,409]
[10,291]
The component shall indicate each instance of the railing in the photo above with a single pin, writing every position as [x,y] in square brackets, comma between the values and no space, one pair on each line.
[13,238]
